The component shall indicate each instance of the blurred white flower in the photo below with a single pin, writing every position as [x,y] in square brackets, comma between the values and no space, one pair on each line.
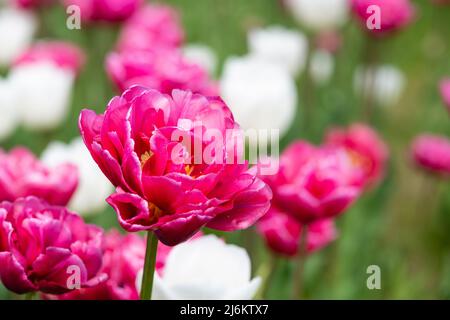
[279,45]
[17,28]
[202,55]
[45,93]
[93,187]
[319,15]
[386,83]
[205,268]
[262,95]
[322,66]
[9,114]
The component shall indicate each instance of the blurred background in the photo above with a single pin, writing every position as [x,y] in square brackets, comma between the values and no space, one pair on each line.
[402,225]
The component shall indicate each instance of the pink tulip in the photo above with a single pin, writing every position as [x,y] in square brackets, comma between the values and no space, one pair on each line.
[163,70]
[445,92]
[432,153]
[161,184]
[314,183]
[47,248]
[105,10]
[22,175]
[152,26]
[365,148]
[64,54]
[394,14]
[282,233]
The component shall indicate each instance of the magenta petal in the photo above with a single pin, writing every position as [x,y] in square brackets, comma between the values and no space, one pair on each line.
[13,275]
[132,211]
[337,202]
[51,270]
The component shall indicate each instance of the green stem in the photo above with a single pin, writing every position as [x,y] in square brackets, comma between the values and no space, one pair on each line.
[149,266]
[297,292]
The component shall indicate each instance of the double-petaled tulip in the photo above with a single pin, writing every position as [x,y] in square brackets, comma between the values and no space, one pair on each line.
[432,152]
[93,187]
[123,258]
[22,175]
[382,17]
[314,183]
[261,94]
[215,271]
[17,28]
[365,148]
[282,233]
[105,10]
[279,45]
[43,68]
[47,248]
[147,143]
[445,92]
[152,26]
[319,15]
[163,70]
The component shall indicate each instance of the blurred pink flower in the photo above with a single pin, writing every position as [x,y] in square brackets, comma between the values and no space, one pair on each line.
[163,70]
[133,145]
[282,233]
[32,4]
[43,246]
[314,183]
[365,148]
[105,10]
[445,92]
[152,26]
[432,152]
[63,54]
[22,175]
[394,14]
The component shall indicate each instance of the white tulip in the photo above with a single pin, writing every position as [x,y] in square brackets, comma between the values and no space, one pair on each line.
[46,93]
[262,95]
[279,45]
[202,55]
[17,28]
[322,66]
[205,268]
[319,15]
[385,83]
[9,114]
[93,187]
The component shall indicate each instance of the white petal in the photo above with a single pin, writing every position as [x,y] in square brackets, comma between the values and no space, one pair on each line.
[45,94]
[247,292]
[93,187]
[9,114]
